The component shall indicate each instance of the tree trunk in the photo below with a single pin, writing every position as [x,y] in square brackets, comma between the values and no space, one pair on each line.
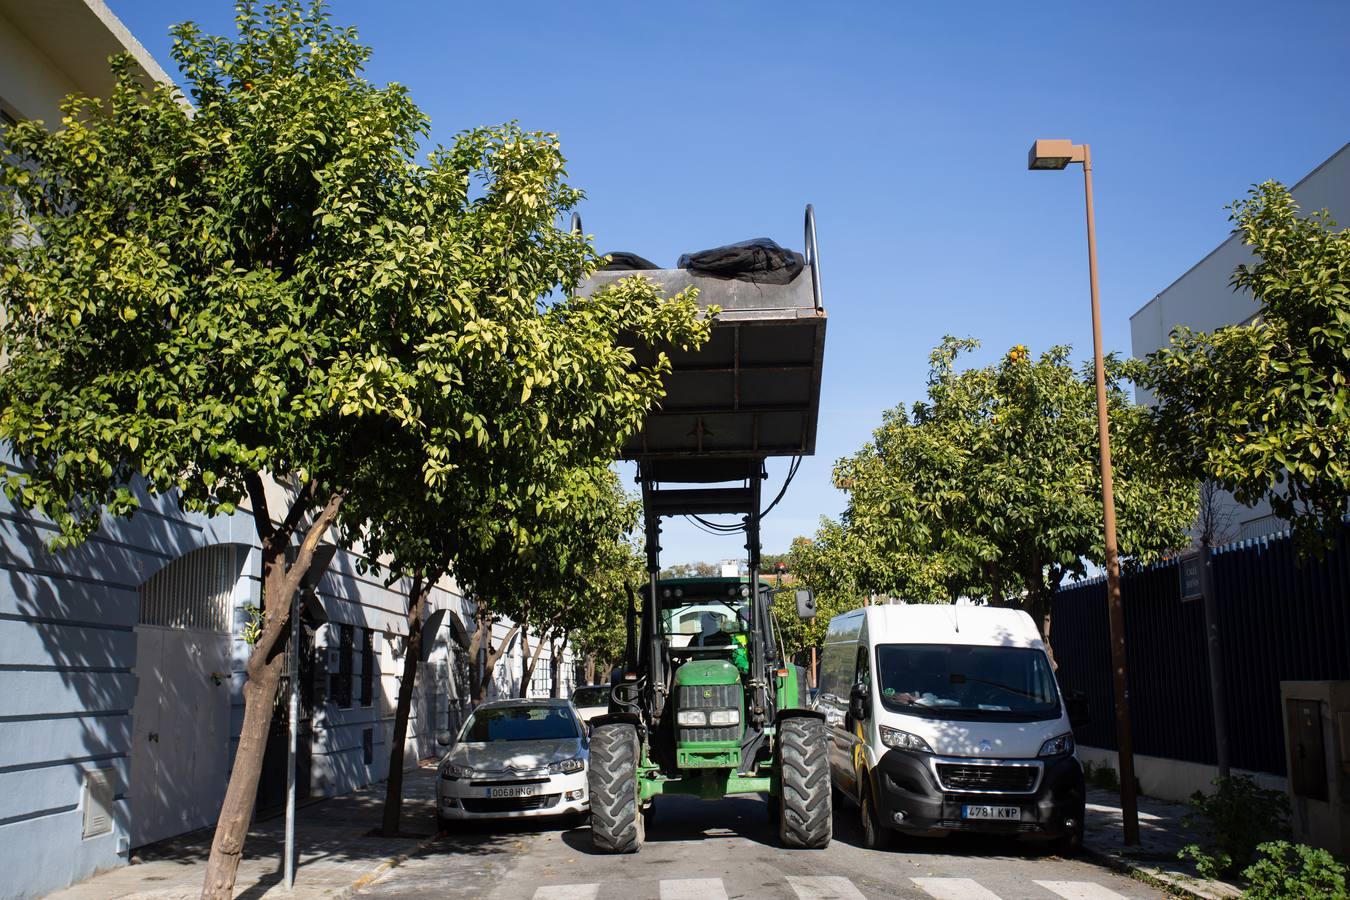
[263,671]
[393,788]
[590,668]
[555,651]
[484,672]
[531,659]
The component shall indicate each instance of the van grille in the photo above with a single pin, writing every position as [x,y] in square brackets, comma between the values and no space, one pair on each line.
[1018,779]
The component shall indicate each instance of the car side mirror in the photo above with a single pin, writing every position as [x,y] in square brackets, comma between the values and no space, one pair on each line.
[806,604]
[1076,704]
[444,738]
[858,702]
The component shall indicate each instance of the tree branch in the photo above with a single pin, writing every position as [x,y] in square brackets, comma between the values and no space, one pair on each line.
[257,495]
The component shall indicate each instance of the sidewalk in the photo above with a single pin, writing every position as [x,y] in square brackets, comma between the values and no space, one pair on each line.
[1161,835]
[337,851]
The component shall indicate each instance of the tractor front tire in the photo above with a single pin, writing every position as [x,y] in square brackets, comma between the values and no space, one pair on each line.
[616,820]
[805,817]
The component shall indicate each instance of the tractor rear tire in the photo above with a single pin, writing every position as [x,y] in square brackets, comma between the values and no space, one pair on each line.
[616,820]
[805,818]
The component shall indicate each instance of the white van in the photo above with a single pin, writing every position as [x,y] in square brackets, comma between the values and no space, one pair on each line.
[949,718]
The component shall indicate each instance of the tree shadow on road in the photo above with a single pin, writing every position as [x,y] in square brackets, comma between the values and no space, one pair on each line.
[687,819]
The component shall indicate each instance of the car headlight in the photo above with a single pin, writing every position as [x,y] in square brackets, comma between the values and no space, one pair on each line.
[691,718]
[903,740]
[576,764]
[1058,745]
[724,717]
[452,771]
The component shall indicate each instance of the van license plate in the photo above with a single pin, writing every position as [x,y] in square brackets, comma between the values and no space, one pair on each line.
[999,813]
[522,790]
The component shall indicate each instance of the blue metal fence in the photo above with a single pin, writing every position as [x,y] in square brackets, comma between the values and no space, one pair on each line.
[1279,620]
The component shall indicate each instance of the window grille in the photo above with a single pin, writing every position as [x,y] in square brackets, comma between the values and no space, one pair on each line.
[194,591]
[367,666]
[341,687]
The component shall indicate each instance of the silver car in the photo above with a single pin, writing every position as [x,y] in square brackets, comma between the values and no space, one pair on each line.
[514,759]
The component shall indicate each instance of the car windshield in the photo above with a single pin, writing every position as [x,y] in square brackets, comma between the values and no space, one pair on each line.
[963,682]
[591,696]
[520,723]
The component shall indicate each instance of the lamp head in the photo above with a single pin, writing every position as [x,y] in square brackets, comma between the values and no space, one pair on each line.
[1053,154]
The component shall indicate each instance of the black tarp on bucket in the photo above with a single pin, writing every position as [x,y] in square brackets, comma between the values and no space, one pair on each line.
[760,260]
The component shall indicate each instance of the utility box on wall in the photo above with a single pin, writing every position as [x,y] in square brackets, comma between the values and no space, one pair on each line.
[1317,748]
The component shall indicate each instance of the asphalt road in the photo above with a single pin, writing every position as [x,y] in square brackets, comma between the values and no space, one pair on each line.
[726,849]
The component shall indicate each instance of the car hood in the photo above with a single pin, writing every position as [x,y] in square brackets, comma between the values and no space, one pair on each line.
[519,755]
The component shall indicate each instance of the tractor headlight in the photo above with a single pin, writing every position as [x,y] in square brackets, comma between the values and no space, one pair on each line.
[1057,745]
[724,717]
[903,740]
[567,766]
[691,718]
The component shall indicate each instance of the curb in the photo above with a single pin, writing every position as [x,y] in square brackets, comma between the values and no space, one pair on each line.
[1176,887]
[391,862]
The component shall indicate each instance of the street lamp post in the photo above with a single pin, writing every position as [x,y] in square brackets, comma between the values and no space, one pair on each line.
[1058,155]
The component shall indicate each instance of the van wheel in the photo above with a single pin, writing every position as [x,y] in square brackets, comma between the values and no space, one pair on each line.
[875,835]
[805,816]
[616,820]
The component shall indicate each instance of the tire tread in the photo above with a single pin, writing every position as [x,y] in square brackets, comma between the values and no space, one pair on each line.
[616,822]
[805,819]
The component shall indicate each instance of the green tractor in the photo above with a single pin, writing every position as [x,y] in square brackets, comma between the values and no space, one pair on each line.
[707,704]
[723,726]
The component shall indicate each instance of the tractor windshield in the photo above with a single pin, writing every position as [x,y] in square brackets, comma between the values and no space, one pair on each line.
[705,615]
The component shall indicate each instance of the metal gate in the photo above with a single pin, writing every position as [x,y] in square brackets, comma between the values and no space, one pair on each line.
[181,716]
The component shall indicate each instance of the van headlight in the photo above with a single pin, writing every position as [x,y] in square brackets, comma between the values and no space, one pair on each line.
[724,717]
[691,718]
[903,740]
[1058,745]
[567,766]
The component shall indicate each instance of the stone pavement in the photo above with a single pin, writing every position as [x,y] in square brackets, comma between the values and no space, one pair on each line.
[338,851]
[1161,835]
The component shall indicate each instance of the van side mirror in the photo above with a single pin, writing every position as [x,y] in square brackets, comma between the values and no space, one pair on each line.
[806,604]
[444,738]
[1076,704]
[859,702]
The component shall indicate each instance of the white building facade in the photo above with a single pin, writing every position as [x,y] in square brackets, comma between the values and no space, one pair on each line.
[1202,299]
[121,661]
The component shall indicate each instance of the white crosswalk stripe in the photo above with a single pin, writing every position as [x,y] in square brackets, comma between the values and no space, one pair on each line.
[1080,890]
[955,889]
[692,889]
[567,892]
[824,887]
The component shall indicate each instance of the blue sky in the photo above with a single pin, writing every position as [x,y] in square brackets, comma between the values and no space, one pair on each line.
[907,125]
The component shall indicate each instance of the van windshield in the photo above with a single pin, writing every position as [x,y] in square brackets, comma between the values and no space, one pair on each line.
[962,682]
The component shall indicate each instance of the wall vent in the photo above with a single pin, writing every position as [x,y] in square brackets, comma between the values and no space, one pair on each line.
[98,801]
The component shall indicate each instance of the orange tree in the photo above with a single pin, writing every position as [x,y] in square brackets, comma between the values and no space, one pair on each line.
[272,285]
[990,488]
[1263,409]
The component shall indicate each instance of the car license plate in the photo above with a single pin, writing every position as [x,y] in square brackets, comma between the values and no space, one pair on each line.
[998,813]
[518,790]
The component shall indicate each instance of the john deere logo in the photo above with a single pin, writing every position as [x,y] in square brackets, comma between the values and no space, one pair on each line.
[707,694]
